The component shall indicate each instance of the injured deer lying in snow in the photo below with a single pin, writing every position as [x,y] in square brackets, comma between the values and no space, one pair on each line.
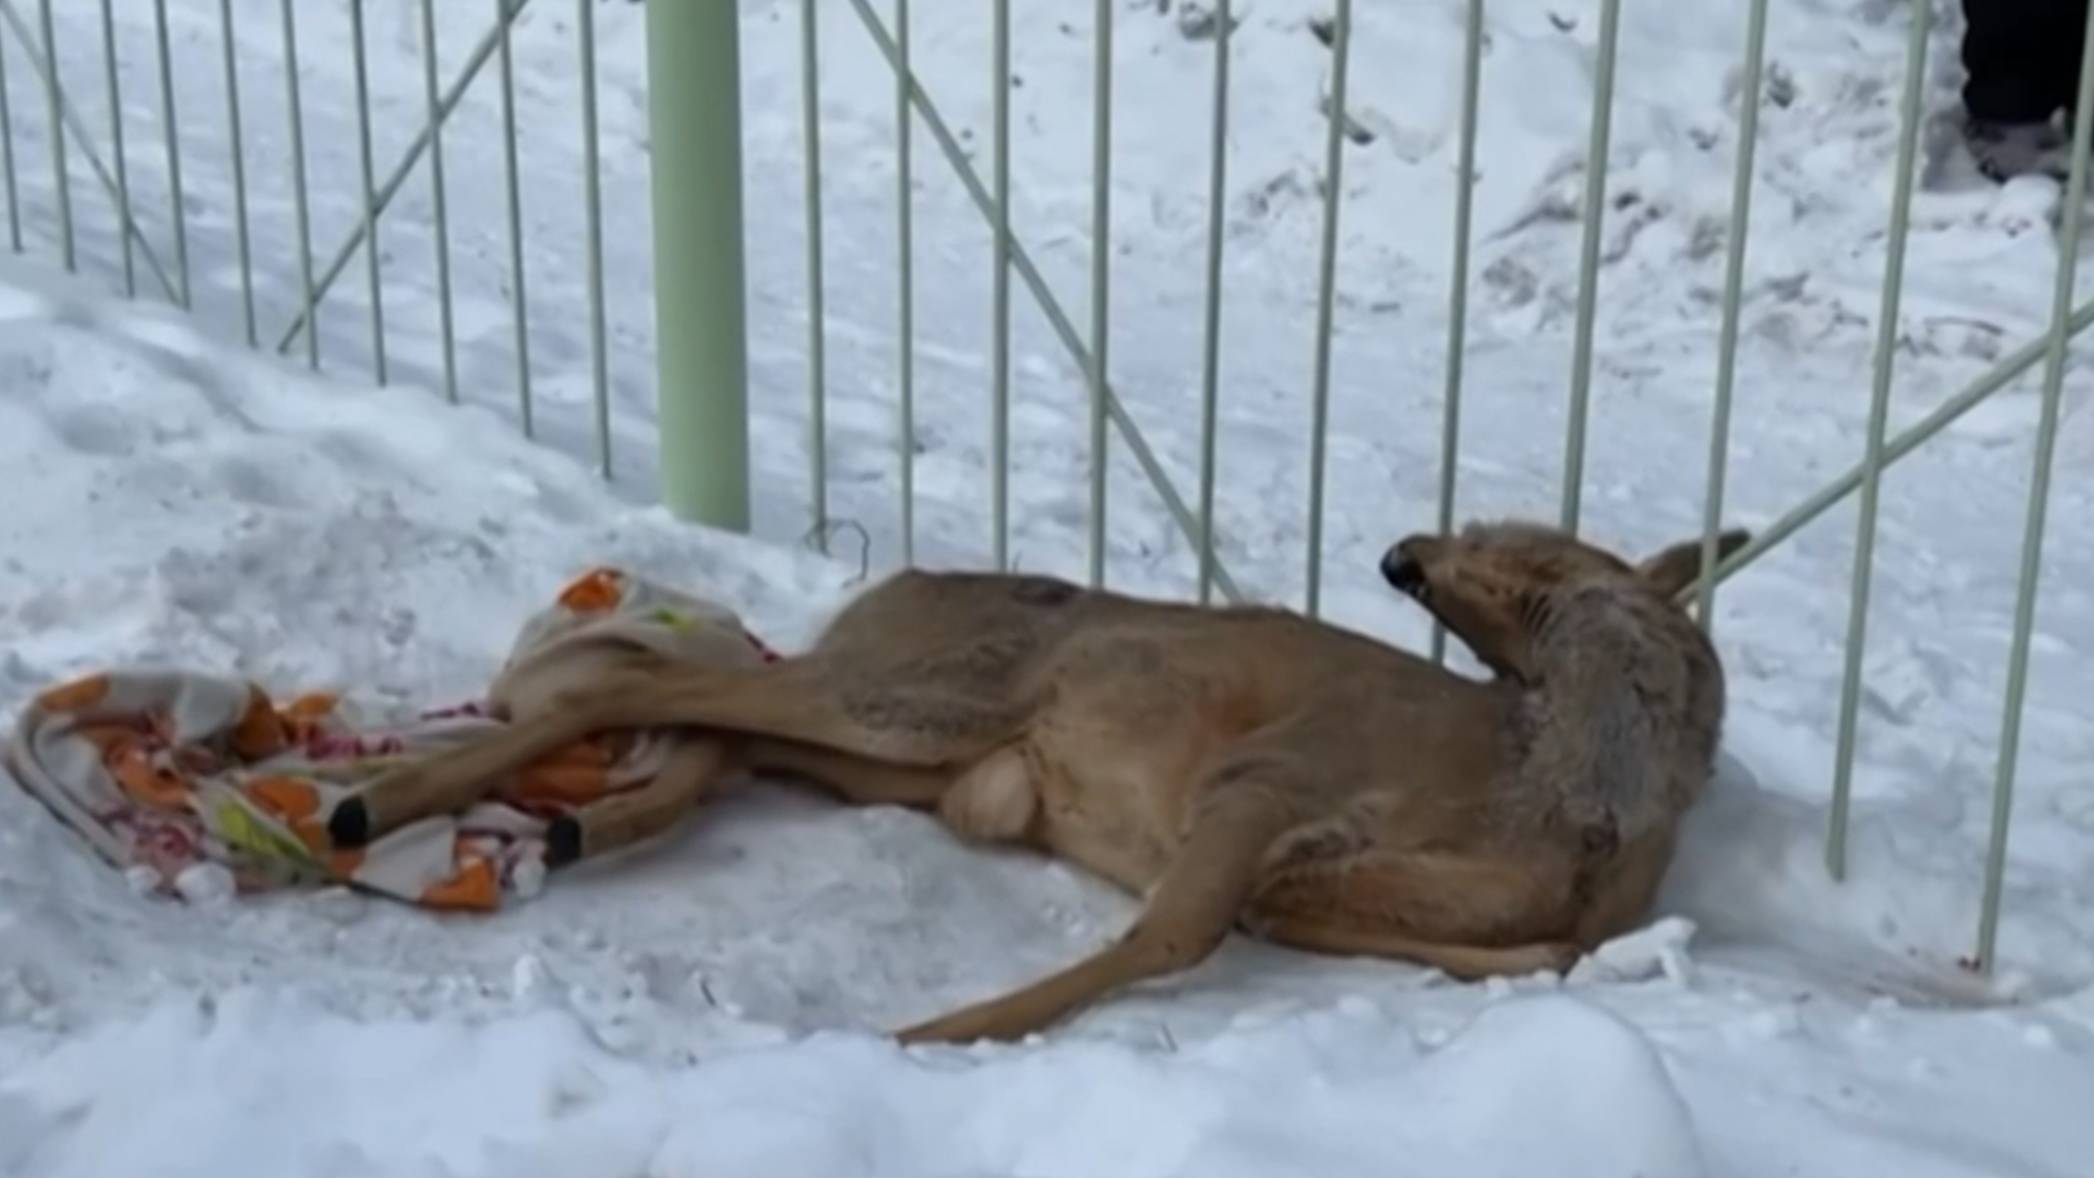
[1242,768]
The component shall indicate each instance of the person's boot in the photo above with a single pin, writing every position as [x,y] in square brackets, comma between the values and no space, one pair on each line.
[2006,150]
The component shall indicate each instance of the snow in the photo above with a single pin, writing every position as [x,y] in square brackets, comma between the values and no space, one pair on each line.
[714,1004]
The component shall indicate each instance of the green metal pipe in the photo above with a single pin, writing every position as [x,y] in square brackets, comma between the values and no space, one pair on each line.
[701,345]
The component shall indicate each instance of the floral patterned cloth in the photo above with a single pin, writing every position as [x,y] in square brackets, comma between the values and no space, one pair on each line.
[193,782]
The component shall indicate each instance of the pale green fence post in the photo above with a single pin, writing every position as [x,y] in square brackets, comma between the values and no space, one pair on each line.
[701,345]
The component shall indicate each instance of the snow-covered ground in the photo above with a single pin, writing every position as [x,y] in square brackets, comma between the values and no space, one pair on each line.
[712,1005]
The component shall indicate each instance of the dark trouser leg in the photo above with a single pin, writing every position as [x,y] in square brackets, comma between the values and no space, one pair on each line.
[2021,57]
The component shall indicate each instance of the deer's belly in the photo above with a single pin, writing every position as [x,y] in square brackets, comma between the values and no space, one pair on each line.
[1107,818]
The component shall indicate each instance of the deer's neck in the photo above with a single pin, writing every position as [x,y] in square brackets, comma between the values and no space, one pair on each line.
[1620,716]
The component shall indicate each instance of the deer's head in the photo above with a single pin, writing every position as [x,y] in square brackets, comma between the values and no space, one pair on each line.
[1497,586]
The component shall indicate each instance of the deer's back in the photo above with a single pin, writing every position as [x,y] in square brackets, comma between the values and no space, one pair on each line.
[1015,637]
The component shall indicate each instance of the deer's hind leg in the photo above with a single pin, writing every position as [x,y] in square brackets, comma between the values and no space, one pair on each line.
[695,768]
[1472,916]
[914,725]
[1186,917]
[701,766]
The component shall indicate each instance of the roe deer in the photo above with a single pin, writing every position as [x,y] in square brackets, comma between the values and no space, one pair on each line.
[1240,767]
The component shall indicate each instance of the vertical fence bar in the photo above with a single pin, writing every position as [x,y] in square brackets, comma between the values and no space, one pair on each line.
[172,124]
[116,146]
[905,238]
[515,210]
[1733,298]
[433,94]
[1458,286]
[1326,284]
[58,166]
[1000,285]
[817,315]
[1058,320]
[397,178]
[298,193]
[1210,331]
[701,347]
[232,122]
[1589,262]
[71,122]
[7,157]
[1101,277]
[599,359]
[2074,218]
[1872,461]
[363,152]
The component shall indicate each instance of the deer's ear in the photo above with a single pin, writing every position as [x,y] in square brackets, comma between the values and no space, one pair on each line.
[1677,567]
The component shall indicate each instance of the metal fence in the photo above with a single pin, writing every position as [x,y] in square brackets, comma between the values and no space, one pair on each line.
[698,274]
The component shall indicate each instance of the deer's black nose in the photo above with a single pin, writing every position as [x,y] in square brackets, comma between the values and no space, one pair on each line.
[1402,571]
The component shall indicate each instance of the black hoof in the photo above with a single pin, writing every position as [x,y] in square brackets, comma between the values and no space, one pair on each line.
[563,841]
[350,824]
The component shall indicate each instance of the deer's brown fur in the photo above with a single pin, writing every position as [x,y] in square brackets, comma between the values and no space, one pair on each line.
[1239,767]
